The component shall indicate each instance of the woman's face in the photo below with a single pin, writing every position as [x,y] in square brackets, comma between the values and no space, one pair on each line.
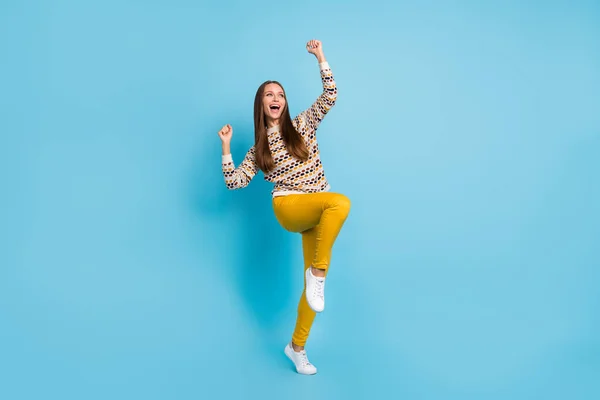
[273,102]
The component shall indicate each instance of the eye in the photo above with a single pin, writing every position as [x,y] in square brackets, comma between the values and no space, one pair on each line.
[269,94]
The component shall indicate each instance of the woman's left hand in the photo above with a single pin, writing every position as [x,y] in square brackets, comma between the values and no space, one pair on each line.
[315,47]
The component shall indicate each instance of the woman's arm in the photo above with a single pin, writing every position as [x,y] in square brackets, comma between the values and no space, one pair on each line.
[313,116]
[240,177]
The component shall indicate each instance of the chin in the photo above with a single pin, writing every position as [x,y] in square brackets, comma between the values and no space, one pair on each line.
[273,116]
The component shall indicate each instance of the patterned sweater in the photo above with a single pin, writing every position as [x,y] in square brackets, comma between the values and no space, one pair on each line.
[290,175]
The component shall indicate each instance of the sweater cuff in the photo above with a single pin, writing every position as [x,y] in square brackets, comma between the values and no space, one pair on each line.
[324,65]
[227,158]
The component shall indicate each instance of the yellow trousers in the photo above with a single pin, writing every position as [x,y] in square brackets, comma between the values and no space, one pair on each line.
[319,217]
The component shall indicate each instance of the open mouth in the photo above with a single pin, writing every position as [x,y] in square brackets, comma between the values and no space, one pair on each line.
[274,107]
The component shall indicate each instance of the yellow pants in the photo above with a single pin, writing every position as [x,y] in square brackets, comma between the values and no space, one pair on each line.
[319,218]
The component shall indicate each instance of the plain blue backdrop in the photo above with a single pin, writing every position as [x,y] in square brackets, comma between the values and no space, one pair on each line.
[467,135]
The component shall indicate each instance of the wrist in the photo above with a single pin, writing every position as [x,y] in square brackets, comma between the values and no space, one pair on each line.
[226,146]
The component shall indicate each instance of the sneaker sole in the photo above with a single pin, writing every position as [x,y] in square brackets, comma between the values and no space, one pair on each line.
[289,355]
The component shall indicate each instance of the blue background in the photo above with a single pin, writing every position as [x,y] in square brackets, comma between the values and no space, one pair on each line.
[467,135]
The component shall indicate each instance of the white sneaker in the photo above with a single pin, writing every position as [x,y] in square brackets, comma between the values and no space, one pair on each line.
[315,291]
[303,366]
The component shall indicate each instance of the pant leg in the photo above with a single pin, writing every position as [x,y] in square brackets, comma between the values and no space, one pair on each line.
[325,211]
[319,217]
[335,211]
[306,315]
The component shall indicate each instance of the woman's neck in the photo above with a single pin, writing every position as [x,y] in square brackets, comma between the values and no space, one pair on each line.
[271,123]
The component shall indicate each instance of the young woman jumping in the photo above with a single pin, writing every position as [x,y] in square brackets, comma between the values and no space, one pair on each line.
[287,153]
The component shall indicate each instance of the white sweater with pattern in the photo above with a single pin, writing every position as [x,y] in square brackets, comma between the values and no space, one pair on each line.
[290,175]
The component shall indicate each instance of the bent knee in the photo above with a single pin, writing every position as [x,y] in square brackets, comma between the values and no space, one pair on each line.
[343,203]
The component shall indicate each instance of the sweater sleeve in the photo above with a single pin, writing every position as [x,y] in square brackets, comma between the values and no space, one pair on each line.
[312,117]
[240,177]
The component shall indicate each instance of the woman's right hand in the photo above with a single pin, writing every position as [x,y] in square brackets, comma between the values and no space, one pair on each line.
[226,133]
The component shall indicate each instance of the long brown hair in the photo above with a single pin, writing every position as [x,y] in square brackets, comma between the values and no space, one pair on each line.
[294,143]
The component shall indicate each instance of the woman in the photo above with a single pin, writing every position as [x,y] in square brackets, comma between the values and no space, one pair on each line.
[287,152]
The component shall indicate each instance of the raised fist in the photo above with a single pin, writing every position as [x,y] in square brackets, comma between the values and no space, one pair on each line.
[226,133]
[314,47]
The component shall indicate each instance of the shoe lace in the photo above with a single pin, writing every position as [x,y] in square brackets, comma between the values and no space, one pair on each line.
[319,288]
[304,359]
